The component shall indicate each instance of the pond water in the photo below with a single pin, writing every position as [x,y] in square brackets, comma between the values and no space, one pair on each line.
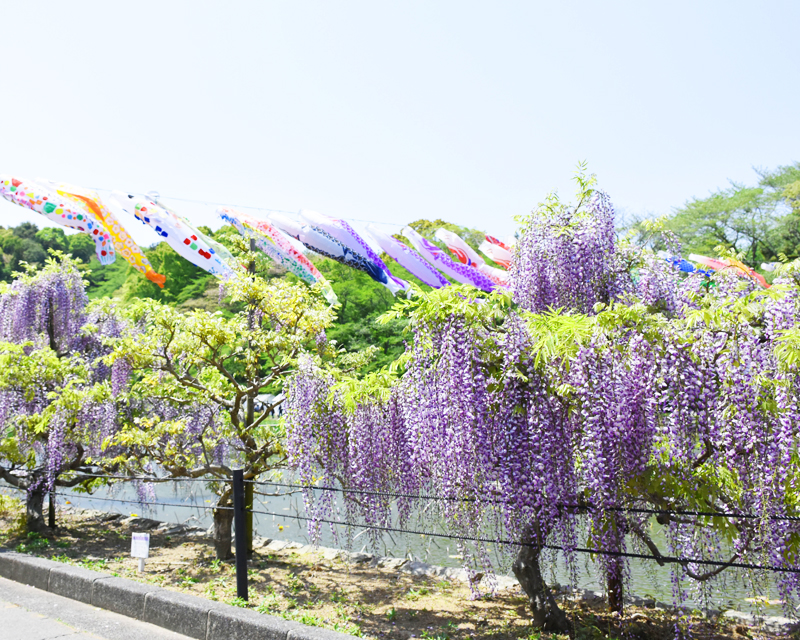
[190,503]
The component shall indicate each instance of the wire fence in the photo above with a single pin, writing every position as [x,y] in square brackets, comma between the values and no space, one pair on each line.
[240,510]
[346,490]
[144,502]
[582,506]
[605,552]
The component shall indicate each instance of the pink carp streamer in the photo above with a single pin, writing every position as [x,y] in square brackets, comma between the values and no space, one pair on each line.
[184,239]
[468,256]
[497,251]
[438,258]
[407,258]
[279,239]
[738,267]
[90,202]
[344,233]
[277,245]
[47,202]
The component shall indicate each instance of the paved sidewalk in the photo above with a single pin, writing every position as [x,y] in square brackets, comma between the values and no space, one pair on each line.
[27,613]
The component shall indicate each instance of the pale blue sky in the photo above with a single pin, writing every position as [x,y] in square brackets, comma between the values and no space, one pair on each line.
[393,111]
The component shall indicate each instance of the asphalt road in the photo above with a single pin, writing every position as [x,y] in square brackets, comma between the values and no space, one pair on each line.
[30,614]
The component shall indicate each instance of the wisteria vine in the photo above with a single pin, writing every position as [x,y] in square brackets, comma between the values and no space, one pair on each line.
[58,408]
[607,380]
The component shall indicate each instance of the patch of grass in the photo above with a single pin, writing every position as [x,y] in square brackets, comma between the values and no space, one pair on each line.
[294,583]
[342,613]
[443,585]
[270,605]
[238,602]
[391,614]
[338,596]
[416,594]
[351,628]
[434,635]
[95,565]
[34,542]
[306,617]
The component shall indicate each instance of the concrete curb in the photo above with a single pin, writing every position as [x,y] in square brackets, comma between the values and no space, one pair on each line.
[179,612]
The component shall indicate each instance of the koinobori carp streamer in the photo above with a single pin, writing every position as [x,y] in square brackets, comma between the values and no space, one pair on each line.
[90,202]
[46,201]
[184,240]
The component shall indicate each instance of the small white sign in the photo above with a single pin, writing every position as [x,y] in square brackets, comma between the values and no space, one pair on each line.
[140,545]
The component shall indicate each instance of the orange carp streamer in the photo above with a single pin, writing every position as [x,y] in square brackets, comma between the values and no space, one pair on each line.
[123,243]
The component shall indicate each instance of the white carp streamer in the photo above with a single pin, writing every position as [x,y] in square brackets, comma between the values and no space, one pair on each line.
[178,234]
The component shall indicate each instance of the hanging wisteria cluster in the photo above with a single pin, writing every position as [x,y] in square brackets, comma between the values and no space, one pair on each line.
[607,381]
[46,308]
[567,257]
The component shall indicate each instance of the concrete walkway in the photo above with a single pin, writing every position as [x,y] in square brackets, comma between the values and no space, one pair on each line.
[27,613]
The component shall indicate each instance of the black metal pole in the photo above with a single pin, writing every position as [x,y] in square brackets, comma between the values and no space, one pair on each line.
[241,533]
[51,511]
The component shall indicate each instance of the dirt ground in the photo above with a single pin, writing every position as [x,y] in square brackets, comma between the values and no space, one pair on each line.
[349,597]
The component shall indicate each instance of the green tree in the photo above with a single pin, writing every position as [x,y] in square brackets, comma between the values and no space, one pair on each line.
[784,185]
[11,248]
[26,230]
[759,221]
[361,302]
[19,244]
[32,252]
[52,238]
[81,246]
[198,378]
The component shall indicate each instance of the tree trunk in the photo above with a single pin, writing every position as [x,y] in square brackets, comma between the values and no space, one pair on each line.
[614,585]
[223,520]
[35,510]
[546,613]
